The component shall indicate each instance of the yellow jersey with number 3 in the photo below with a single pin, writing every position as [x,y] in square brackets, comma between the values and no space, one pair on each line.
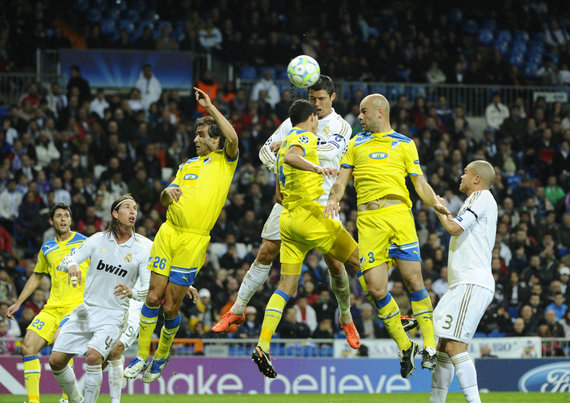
[381,162]
[61,294]
[205,182]
[298,186]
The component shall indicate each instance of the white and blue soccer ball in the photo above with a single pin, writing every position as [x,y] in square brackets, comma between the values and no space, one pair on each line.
[303,71]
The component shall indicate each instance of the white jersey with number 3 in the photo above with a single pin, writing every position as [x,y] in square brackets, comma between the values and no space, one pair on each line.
[470,253]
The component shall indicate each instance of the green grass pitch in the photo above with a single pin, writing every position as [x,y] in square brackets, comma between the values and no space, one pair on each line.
[495,397]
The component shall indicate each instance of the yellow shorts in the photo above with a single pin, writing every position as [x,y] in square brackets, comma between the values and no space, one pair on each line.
[178,254]
[305,228]
[385,234]
[46,323]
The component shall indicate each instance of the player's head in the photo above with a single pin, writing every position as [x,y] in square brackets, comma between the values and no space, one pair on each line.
[478,175]
[60,218]
[303,114]
[123,215]
[322,95]
[209,137]
[375,113]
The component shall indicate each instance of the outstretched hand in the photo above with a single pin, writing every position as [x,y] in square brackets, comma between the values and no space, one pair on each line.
[439,206]
[328,172]
[202,98]
[332,209]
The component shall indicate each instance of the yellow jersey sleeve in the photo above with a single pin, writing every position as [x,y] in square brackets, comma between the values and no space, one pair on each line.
[412,159]
[347,160]
[42,266]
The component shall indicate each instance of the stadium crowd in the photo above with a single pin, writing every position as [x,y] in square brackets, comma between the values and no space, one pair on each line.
[86,148]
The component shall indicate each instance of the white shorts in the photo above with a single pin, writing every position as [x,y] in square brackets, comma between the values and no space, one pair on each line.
[131,333]
[271,226]
[459,311]
[90,327]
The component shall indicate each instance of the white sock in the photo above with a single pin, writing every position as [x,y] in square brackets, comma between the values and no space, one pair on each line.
[254,278]
[116,379]
[93,380]
[341,289]
[66,379]
[467,376]
[441,378]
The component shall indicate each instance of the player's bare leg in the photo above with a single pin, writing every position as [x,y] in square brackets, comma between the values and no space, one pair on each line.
[254,278]
[59,363]
[116,362]
[341,288]
[171,306]
[149,317]
[411,272]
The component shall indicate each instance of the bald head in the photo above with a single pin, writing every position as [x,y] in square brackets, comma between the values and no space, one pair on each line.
[375,113]
[485,171]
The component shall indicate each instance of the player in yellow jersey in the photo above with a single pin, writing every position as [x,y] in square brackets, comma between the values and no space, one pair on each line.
[194,199]
[63,299]
[301,224]
[380,160]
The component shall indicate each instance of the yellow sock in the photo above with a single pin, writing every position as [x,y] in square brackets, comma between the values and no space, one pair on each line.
[149,316]
[32,374]
[167,334]
[273,314]
[389,314]
[423,311]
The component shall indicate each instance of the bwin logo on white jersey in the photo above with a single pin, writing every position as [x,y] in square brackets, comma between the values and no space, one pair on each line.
[111,269]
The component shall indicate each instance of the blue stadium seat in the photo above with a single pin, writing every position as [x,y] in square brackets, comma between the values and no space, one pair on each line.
[496,333]
[132,14]
[514,312]
[517,59]
[479,335]
[530,70]
[534,57]
[281,73]
[112,13]
[128,25]
[504,35]
[489,24]
[396,91]
[49,32]
[417,91]
[378,89]
[553,57]
[107,26]
[362,87]
[150,15]
[518,46]
[289,351]
[326,351]
[455,15]
[260,71]
[373,31]
[94,15]
[538,36]
[485,36]
[247,73]
[522,35]
[502,46]
[470,27]
[143,23]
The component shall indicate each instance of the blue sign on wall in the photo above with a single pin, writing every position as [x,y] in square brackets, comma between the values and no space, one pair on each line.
[121,69]
[525,375]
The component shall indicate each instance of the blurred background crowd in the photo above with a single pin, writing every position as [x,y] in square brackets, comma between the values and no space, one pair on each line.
[86,146]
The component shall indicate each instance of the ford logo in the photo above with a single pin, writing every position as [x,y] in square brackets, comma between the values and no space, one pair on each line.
[378,155]
[190,177]
[552,378]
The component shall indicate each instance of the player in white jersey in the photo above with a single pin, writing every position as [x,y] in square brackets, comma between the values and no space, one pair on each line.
[471,283]
[333,134]
[118,259]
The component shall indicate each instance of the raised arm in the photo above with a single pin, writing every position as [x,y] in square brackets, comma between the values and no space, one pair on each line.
[295,158]
[225,126]
[337,191]
[267,155]
[426,193]
[448,222]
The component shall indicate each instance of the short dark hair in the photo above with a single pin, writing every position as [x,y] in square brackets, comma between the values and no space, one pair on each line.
[323,83]
[58,206]
[300,111]
[213,129]
[75,67]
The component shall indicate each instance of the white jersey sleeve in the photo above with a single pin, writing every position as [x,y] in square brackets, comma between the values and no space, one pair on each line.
[470,253]
[332,150]
[140,289]
[79,255]
[268,157]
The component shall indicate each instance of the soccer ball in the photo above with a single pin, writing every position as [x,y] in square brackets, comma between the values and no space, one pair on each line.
[303,71]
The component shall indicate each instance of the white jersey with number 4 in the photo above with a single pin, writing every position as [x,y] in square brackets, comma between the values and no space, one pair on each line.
[470,253]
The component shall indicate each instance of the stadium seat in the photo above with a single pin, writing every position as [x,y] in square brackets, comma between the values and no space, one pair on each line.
[514,312]
[455,15]
[496,333]
[534,57]
[553,57]
[504,35]
[327,351]
[378,89]
[396,91]
[131,14]
[522,35]
[517,59]
[260,71]
[281,73]
[107,26]
[127,25]
[479,335]
[112,13]
[502,46]
[470,27]
[363,87]
[538,36]
[247,73]
[518,46]
[94,15]
[485,36]
[530,69]
[373,31]
[489,24]
[417,91]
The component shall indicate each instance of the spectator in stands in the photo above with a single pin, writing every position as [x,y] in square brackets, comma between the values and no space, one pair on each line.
[434,74]
[251,327]
[558,306]
[565,323]
[10,200]
[149,86]
[325,307]
[518,329]
[305,313]
[556,37]
[210,37]
[496,113]
[324,329]
[548,73]
[76,80]
[36,302]
[145,41]
[32,95]
[13,328]
[99,103]
[266,83]
[6,347]
[290,328]
[202,311]
[165,42]
[371,325]
[25,320]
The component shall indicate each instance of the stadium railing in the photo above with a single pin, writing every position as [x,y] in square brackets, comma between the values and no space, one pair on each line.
[14,85]
[215,347]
